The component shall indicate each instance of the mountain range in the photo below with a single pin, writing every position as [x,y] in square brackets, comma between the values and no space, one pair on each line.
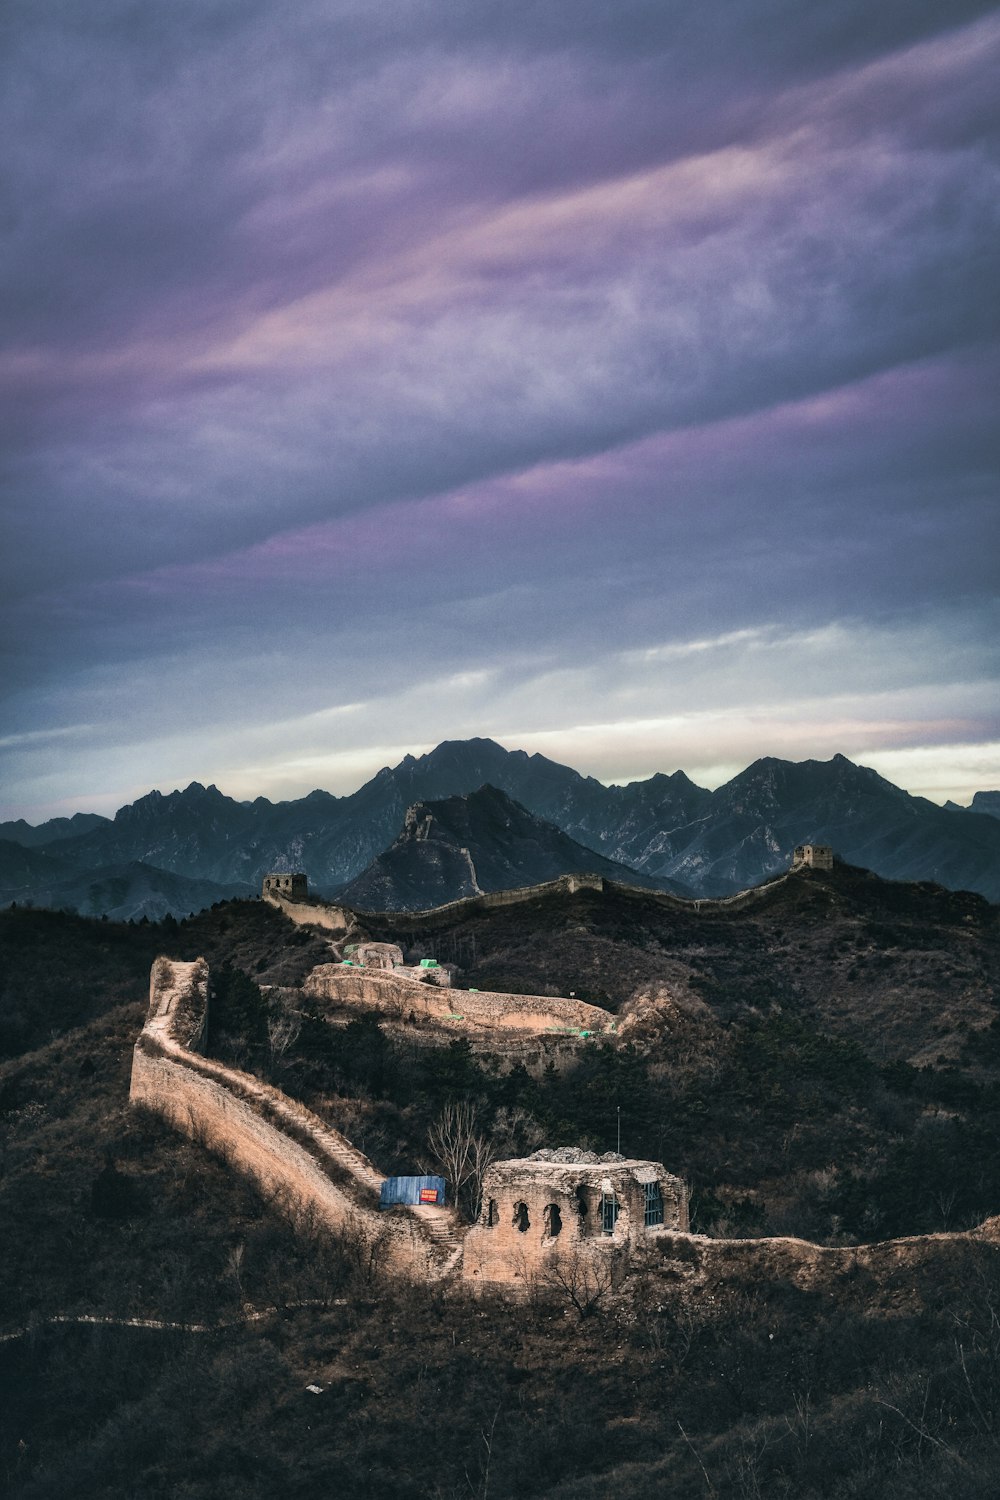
[666,828]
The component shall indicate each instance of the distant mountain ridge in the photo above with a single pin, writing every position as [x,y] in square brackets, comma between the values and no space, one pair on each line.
[29,837]
[122,892]
[666,827]
[982,802]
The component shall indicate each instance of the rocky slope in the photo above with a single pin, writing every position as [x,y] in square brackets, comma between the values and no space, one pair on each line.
[463,846]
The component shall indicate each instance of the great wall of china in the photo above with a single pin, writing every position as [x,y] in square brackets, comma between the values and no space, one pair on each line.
[341,920]
[284,1147]
[556,1214]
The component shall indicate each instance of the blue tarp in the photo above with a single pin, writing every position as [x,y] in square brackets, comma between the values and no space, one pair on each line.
[409,1189]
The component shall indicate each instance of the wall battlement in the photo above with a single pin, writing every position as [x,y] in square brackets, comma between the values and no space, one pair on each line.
[812,857]
[294,887]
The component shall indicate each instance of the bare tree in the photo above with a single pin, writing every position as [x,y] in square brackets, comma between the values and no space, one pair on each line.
[584,1282]
[462,1150]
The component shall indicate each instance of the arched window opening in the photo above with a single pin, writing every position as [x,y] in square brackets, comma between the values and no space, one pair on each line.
[492,1214]
[609,1212]
[654,1205]
[553,1220]
[521,1219]
[581,1202]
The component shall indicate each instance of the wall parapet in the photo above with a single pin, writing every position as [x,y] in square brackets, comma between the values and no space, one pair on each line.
[311,912]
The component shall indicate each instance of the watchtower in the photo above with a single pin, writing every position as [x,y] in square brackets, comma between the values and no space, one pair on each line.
[569,1208]
[812,857]
[291,887]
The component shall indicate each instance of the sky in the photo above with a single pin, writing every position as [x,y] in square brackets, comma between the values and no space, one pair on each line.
[617,381]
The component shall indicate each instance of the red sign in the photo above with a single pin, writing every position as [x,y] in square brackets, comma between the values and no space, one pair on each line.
[428,1195]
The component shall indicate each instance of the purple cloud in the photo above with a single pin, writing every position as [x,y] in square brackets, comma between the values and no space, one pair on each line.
[453,343]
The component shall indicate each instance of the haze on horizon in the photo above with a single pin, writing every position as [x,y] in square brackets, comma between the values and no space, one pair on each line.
[615,382]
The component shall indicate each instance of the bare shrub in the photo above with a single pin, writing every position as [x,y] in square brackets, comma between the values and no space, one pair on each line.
[283,1027]
[580,1280]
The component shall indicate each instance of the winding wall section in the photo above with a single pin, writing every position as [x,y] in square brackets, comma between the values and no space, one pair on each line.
[311,1168]
[282,1145]
[342,920]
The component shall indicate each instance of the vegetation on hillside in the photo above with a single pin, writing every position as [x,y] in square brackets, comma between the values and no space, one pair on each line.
[395,1390]
[781,1096]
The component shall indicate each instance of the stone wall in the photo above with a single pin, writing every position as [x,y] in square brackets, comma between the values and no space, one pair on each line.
[542,1222]
[704,1265]
[487,900]
[335,919]
[398,996]
[286,1149]
[386,956]
[344,922]
[403,922]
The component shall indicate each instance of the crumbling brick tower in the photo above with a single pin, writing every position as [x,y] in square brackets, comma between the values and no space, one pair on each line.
[570,1213]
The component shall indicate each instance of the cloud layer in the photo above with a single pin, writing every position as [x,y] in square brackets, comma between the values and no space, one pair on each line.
[614,382]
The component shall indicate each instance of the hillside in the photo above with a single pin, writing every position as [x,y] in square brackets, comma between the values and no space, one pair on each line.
[910,964]
[745,1070]
[852,1375]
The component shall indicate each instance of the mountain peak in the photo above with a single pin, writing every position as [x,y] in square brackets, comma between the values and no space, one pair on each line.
[474,842]
[986,802]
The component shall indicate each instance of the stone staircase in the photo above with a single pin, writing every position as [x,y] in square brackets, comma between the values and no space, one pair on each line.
[440,1227]
[443,1228]
[351,1159]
